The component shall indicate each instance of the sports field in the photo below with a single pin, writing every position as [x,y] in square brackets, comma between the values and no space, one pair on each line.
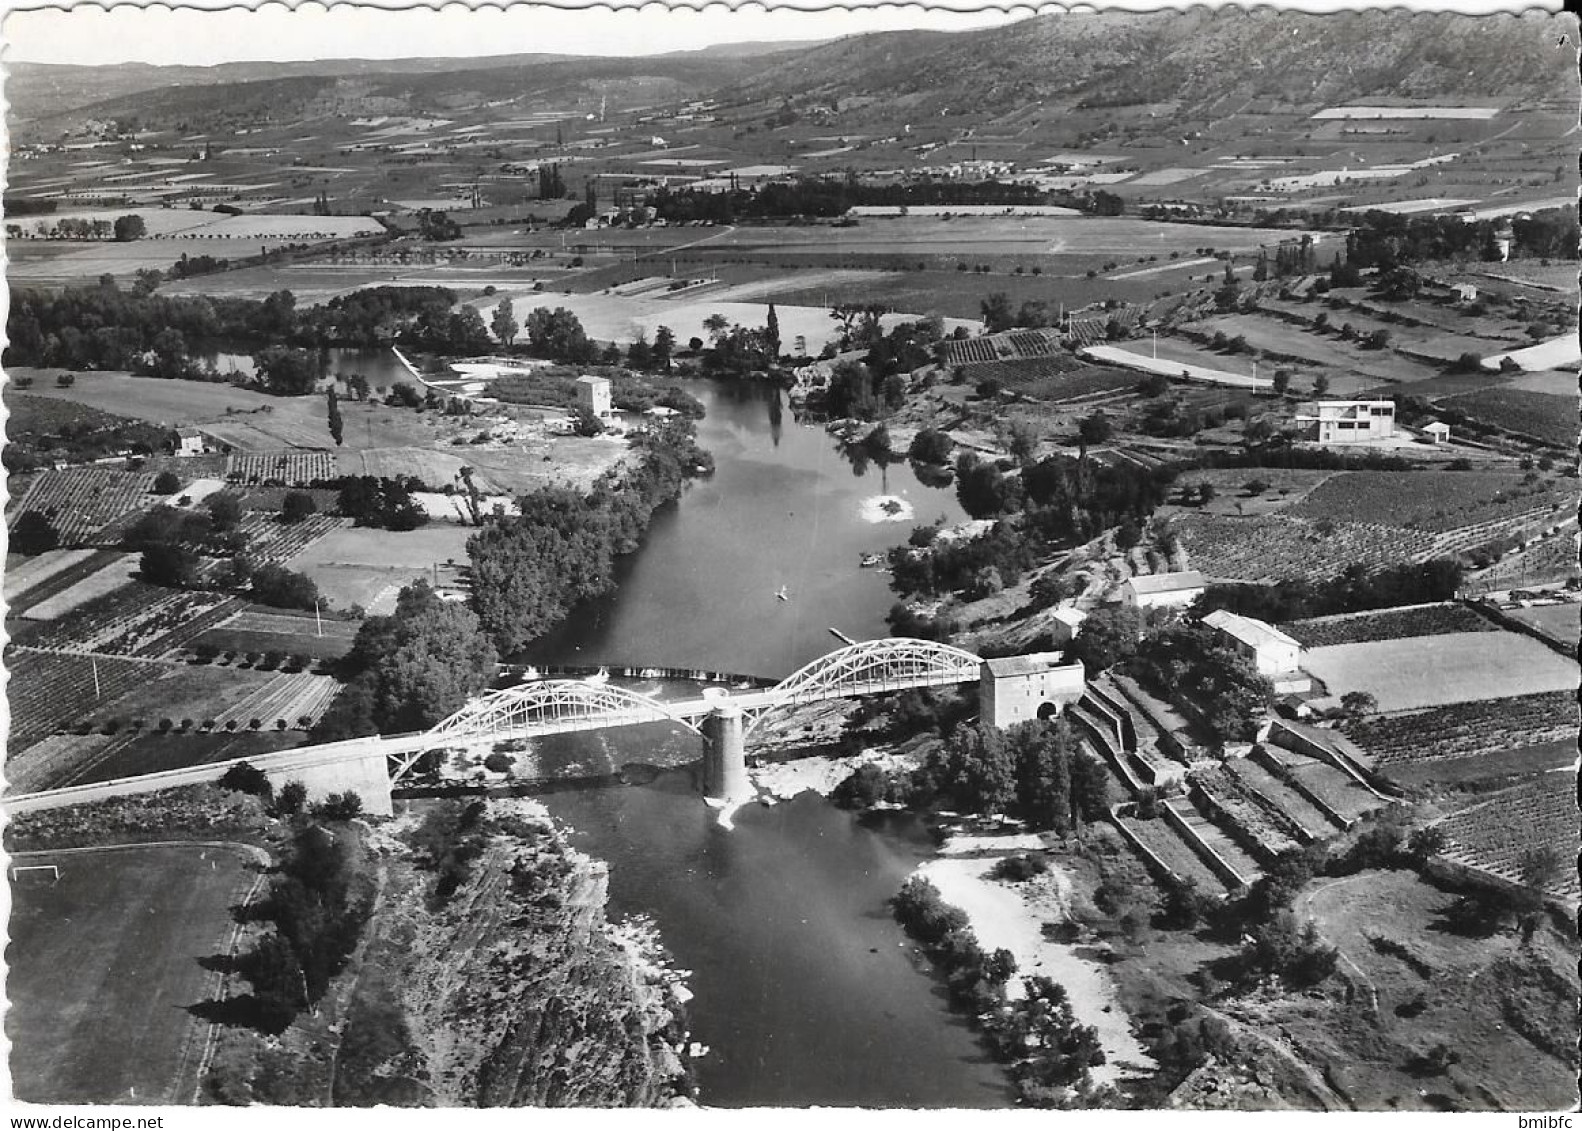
[1430,671]
[354,566]
[103,966]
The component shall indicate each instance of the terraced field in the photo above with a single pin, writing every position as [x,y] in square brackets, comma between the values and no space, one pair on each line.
[1391,624]
[1241,810]
[1309,818]
[1167,844]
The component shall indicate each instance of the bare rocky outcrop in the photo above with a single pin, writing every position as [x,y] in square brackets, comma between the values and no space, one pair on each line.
[513,990]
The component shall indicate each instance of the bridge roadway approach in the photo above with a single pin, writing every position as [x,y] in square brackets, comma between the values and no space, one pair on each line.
[1010,690]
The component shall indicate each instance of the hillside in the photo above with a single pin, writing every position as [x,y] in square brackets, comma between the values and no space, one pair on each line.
[158,96]
[1199,62]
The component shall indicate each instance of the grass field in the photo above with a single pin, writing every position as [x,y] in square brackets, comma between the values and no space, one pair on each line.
[23,574]
[354,566]
[110,1025]
[1413,672]
[115,573]
[1350,368]
[1477,995]
[1564,622]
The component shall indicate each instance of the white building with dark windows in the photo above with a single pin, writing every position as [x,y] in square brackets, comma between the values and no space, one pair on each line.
[1346,422]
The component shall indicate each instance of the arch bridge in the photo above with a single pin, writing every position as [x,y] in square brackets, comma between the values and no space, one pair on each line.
[1009,690]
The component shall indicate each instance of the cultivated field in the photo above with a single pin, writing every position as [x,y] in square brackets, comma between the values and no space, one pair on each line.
[1412,673]
[108,578]
[81,502]
[1439,501]
[354,566]
[216,697]
[1544,416]
[1493,834]
[256,630]
[1468,730]
[136,619]
[1390,624]
[111,1025]
[1274,547]
[23,574]
[47,691]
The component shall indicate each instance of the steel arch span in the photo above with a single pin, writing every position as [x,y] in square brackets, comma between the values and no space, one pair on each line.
[551,707]
[872,667]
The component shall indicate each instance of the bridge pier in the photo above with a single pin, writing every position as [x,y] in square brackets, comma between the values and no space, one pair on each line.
[725,757]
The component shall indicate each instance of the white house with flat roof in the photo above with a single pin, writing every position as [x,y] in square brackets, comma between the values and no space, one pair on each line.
[1163,590]
[1346,422]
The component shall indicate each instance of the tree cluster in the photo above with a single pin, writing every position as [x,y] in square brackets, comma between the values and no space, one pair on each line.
[317,906]
[382,502]
[530,570]
[410,670]
[1186,660]
[1356,590]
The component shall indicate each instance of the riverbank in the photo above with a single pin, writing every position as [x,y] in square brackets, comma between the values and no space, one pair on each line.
[1002,914]
[1014,916]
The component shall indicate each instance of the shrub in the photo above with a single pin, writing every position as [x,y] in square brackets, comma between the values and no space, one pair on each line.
[244,777]
[1021,867]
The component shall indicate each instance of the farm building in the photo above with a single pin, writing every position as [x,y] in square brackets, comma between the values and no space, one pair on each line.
[593,394]
[1162,590]
[191,442]
[1346,422]
[1064,624]
[1017,689]
[1271,652]
[1438,432]
[1466,292]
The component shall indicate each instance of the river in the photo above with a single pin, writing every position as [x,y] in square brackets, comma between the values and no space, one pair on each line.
[806,991]
[783,508]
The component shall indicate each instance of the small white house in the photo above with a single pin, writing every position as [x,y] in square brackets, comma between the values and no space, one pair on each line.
[1065,623]
[190,442]
[1163,590]
[593,394]
[1466,292]
[1438,432]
